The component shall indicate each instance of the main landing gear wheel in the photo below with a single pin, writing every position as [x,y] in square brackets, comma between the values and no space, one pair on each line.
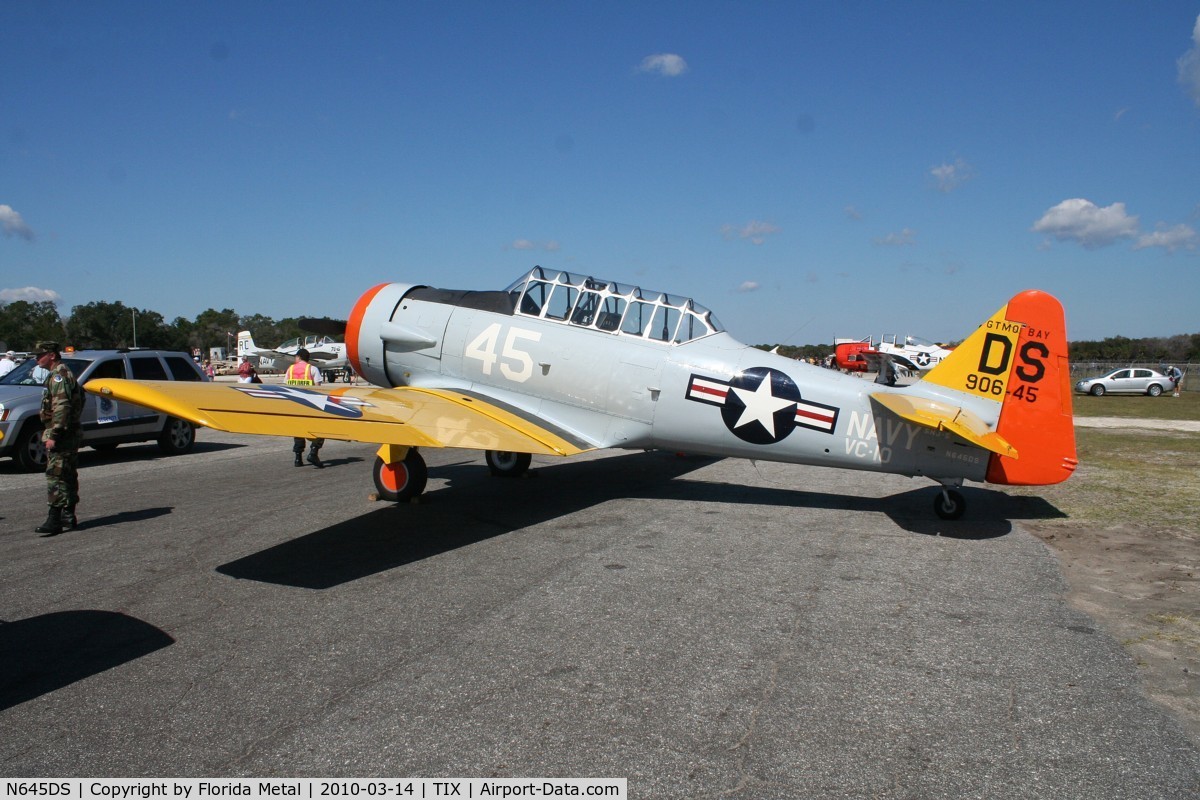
[949,504]
[400,480]
[507,465]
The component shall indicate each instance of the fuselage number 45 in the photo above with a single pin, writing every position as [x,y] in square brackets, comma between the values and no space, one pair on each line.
[515,363]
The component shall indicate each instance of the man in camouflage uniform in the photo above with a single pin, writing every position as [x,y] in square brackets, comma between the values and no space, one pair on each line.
[62,406]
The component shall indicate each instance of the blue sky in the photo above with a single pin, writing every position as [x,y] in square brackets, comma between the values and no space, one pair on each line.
[807,170]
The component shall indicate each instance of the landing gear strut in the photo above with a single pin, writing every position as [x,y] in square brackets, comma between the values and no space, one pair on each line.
[949,503]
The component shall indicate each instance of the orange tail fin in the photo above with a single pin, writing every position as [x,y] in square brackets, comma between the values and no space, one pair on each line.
[1019,357]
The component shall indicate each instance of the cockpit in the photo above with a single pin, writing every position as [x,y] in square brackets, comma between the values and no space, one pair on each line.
[611,307]
[308,341]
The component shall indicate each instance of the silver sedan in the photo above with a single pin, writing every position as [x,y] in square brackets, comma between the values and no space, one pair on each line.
[1132,380]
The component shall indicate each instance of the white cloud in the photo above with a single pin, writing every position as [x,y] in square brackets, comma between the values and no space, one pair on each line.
[754,230]
[666,64]
[950,176]
[1178,237]
[748,286]
[13,225]
[30,294]
[1084,222]
[1189,66]
[853,213]
[904,237]
[550,246]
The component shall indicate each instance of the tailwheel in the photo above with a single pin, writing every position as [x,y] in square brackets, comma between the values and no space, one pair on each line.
[949,504]
[402,480]
[507,465]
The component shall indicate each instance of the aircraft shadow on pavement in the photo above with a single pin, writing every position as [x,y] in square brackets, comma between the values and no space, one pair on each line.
[336,462]
[41,654]
[481,507]
[145,451]
[989,513]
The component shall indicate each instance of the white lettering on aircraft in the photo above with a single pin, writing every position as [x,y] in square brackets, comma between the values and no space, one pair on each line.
[868,451]
[863,438]
[517,365]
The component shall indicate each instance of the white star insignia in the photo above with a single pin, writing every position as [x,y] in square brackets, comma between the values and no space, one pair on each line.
[761,406]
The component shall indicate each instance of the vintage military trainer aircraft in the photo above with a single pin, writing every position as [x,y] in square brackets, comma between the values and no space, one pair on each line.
[911,353]
[327,355]
[559,364]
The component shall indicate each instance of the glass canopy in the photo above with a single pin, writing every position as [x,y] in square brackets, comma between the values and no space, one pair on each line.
[612,307]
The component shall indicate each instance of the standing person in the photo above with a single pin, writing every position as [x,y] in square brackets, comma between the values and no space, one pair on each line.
[1176,376]
[245,371]
[62,406]
[8,363]
[208,369]
[302,373]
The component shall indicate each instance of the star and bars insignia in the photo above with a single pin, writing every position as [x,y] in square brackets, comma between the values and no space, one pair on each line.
[761,405]
[341,406]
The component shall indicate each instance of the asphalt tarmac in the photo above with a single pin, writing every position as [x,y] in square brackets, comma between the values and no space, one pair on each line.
[704,628]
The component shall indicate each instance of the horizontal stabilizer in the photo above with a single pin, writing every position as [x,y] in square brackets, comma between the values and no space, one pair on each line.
[945,417]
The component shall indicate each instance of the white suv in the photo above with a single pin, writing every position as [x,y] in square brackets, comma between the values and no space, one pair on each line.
[106,423]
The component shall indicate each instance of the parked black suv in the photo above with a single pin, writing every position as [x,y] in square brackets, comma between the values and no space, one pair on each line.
[106,423]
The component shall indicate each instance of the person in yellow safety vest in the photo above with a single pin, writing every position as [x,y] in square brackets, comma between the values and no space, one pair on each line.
[302,373]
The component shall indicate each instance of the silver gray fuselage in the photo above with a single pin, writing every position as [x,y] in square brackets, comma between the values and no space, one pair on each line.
[616,391]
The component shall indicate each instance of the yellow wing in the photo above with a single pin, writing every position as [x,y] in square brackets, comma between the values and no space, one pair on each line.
[403,416]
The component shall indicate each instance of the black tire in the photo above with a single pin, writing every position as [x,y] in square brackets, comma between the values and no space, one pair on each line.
[178,437]
[504,464]
[29,451]
[1097,390]
[1154,390]
[401,481]
[949,504]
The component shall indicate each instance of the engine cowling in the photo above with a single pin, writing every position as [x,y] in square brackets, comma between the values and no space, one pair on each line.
[371,329]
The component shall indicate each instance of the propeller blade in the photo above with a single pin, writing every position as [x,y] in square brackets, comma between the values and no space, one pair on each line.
[323,326]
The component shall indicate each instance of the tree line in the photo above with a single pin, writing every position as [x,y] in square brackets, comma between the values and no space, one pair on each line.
[1180,349]
[102,325]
